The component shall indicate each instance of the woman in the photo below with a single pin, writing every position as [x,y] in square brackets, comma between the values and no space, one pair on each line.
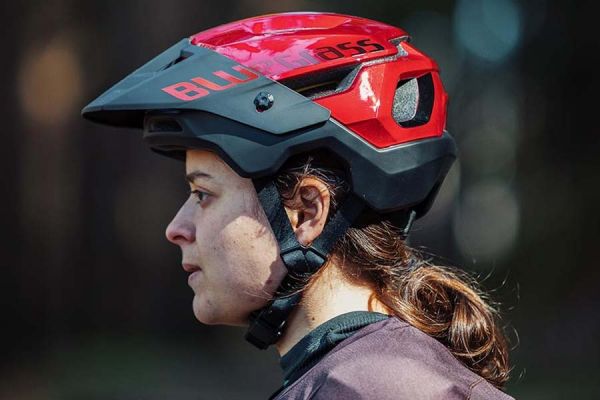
[311,143]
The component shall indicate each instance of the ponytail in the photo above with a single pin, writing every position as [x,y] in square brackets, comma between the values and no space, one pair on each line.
[447,305]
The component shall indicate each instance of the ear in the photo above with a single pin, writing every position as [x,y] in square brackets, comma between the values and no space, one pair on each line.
[310,210]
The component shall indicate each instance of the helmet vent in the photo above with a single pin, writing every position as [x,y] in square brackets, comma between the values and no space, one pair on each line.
[413,101]
[164,125]
[405,100]
[398,43]
[324,83]
[179,59]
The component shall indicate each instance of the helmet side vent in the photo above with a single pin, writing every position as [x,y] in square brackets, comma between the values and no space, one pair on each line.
[325,83]
[413,101]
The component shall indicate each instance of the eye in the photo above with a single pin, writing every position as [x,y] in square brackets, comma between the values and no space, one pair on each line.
[200,195]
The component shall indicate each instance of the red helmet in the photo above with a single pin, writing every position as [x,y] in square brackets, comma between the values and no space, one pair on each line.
[263,89]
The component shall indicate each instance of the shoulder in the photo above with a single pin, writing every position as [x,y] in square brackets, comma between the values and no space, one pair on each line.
[390,360]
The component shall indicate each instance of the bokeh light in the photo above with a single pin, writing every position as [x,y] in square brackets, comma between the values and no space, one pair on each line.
[50,80]
[489,29]
[490,140]
[487,221]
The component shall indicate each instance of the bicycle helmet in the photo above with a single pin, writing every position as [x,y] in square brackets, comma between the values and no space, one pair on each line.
[261,90]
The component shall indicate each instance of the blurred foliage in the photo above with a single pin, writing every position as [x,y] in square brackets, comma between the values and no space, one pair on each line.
[95,302]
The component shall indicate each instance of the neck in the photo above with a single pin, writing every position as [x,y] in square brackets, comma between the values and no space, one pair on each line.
[328,295]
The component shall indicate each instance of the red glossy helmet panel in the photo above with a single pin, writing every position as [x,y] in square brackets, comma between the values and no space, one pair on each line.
[281,46]
[291,45]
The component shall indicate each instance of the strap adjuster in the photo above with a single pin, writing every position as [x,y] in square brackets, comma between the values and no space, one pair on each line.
[267,324]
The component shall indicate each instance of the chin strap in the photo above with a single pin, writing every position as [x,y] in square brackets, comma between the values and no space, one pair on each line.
[268,324]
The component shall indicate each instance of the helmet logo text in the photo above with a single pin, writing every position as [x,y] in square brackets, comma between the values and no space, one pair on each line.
[200,87]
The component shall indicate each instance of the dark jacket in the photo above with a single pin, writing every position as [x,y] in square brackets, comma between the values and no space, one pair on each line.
[390,359]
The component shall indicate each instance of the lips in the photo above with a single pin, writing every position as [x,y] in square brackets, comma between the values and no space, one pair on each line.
[190,267]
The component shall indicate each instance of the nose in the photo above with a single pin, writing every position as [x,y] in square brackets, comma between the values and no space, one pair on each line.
[182,230]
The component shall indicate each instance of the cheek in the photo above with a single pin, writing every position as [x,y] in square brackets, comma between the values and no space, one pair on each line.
[209,225]
[240,257]
[251,252]
[241,274]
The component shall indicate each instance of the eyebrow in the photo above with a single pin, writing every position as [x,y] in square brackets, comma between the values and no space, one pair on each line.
[192,176]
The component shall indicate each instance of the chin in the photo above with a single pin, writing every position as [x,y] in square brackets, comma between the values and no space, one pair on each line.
[203,312]
[207,314]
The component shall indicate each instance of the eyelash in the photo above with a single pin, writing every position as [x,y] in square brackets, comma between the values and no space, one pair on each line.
[200,195]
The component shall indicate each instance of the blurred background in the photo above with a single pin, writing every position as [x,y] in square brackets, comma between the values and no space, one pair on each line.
[96,303]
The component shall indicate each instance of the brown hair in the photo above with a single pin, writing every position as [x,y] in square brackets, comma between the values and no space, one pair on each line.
[444,302]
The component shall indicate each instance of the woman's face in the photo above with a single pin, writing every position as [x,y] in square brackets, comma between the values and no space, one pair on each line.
[226,242]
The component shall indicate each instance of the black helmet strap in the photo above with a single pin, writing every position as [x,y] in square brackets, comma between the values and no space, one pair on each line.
[268,324]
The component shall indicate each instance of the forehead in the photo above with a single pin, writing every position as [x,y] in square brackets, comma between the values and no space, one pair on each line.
[210,163]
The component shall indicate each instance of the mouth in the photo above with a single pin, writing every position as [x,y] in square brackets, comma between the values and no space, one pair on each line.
[193,270]
[190,267]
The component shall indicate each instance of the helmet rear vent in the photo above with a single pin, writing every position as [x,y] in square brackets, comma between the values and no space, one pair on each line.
[413,101]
